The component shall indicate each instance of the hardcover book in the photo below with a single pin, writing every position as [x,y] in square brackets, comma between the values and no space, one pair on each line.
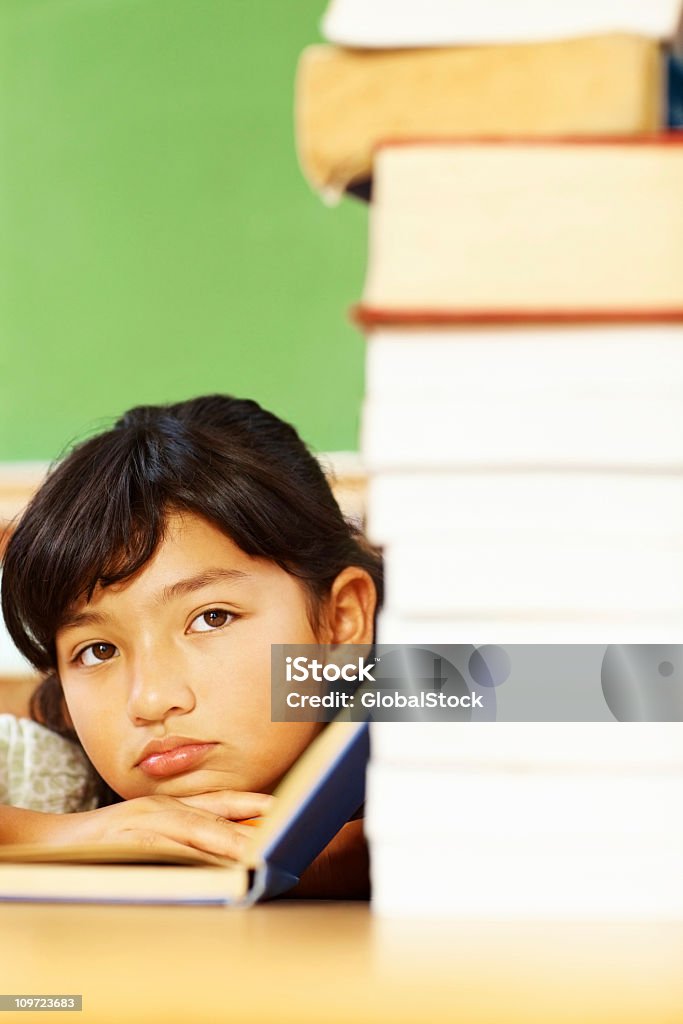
[480,229]
[349,101]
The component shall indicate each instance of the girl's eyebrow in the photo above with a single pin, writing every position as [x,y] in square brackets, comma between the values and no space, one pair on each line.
[202,579]
[168,593]
[82,619]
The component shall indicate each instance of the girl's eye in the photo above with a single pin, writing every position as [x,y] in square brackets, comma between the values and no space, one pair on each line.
[213,619]
[95,654]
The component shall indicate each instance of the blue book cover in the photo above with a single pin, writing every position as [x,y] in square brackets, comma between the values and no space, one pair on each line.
[675,91]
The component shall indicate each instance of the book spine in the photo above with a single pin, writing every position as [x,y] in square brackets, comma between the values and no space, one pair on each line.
[368,316]
[675,91]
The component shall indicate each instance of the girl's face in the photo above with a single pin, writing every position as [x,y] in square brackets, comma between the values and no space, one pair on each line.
[167,675]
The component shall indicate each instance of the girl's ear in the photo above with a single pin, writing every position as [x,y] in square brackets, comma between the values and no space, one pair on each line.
[351,607]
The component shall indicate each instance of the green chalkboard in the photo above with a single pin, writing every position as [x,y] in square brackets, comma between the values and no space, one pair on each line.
[157,239]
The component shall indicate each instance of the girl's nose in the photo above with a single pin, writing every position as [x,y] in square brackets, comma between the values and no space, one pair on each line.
[158,689]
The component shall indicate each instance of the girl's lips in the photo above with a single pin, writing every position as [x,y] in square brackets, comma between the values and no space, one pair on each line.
[172,762]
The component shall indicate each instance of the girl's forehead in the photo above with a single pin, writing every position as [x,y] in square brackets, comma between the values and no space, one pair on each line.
[182,529]
[192,554]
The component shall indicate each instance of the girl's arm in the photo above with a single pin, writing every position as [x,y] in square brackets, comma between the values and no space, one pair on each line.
[204,822]
[20,826]
[210,822]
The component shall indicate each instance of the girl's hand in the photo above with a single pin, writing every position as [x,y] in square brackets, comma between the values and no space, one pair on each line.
[208,822]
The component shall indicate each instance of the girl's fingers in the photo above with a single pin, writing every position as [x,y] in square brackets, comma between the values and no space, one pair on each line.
[152,842]
[232,804]
[202,830]
[204,822]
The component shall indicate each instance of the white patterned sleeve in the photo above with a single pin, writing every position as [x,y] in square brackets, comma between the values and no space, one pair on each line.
[41,771]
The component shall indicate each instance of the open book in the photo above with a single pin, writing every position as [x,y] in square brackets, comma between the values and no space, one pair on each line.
[316,798]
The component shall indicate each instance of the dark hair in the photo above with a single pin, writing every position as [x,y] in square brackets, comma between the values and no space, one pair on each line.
[101,513]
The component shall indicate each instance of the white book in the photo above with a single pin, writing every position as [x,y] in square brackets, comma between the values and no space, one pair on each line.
[401,505]
[430,879]
[398,23]
[525,806]
[615,748]
[525,845]
[487,575]
[550,431]
[426,363]
[511,628]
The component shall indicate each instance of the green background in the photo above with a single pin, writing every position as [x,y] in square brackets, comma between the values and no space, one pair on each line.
[157,238]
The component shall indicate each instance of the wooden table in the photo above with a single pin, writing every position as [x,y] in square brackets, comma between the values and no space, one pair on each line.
[320,962]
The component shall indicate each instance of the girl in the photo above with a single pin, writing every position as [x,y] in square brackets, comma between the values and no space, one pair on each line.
[148,578]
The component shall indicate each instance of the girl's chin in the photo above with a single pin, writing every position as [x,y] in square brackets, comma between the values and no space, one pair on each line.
[194,783]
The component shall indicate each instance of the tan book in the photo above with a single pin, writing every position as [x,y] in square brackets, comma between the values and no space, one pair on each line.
[491,229]
[350,100]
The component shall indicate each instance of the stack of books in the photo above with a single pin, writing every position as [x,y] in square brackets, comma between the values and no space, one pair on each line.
[523,416]
[523,421]
[508,820]
[445,68]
